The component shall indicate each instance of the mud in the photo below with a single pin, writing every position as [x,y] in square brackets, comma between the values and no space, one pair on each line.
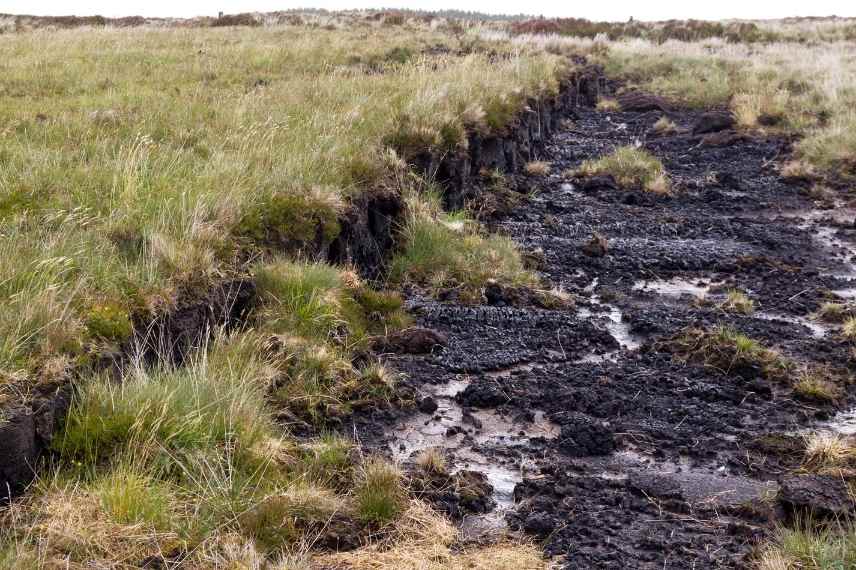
[607,450]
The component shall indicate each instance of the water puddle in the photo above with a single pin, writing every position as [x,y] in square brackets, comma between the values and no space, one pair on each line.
[480,440]
[843,423]
[818,330]
[675,287]
[614,322]
[697,485]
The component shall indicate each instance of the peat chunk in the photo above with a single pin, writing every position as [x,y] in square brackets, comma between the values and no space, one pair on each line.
[413,340]
[639,101]
[483,394]
[818,495]
[583,435]
[598,182]
[597,246]
[456,495]
[539,524]
[474,492]
[427,405]
[713,122]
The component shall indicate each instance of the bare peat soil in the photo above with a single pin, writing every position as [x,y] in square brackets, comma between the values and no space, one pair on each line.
[595,441]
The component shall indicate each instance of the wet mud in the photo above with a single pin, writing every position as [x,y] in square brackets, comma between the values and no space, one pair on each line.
[596,442]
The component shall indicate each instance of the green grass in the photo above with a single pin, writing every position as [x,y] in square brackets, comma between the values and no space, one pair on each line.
[728,350]
[632,168]
[378,492]
[807,545]
[443,251]
[738,302]
[218,399]
[141,163]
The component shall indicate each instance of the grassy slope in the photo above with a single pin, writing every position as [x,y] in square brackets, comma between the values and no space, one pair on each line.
[137,163]
[140,164]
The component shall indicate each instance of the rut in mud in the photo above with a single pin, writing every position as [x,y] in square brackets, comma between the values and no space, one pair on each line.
[601,446]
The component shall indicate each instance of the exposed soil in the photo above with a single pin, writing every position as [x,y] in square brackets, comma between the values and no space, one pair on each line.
[596,441]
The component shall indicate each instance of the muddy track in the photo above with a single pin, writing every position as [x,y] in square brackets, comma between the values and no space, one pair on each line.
[600,446]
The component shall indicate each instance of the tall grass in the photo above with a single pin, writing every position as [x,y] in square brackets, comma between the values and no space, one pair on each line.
[138,163]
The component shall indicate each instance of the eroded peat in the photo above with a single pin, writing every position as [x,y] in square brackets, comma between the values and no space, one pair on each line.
[667,436]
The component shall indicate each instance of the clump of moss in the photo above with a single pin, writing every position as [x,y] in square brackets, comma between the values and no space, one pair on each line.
[109,322]
[291,222]
[632,168]
[730,351]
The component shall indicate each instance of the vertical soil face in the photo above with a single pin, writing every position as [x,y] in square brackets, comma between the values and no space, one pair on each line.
[596,440]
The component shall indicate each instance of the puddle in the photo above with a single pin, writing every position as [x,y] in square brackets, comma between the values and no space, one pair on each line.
[715,486]
[676,287]
[468,436]
[615,324]
[817,330]
[843,423]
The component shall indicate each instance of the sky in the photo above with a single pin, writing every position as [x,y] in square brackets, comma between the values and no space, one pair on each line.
[612,10]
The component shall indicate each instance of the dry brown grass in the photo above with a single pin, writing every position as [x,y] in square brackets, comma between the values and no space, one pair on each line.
[421,540]
[537,168]
[826,450]
[607,105]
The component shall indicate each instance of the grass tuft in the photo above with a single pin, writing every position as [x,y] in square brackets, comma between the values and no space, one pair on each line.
[730,351]
[379,492]
[848,328]
[608,105]
[443,251]
[738,302]
[632,168]
[537,168]
[665,126]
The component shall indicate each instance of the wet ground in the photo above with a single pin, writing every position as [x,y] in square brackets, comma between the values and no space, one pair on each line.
[596,443]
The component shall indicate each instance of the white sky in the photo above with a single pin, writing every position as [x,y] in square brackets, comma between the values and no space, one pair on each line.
[616,10]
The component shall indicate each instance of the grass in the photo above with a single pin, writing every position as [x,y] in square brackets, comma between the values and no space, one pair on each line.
[141,163]
[632,168]
[537,168]
[726,349]
[608,105]
[738,302]
[432,461]
[140,166]
[378,492]
[665,126]
[848,328]
[806,546]
[422,539]
[816,386]
[827,450]
[834,312]
[447,251]
[799,80]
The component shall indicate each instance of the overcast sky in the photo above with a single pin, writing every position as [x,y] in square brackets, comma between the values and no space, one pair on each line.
[616,10]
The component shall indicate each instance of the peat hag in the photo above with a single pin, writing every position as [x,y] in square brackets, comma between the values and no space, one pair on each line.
[605,433]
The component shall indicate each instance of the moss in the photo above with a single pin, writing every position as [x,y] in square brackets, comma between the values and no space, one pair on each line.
[290,222]
[110,322]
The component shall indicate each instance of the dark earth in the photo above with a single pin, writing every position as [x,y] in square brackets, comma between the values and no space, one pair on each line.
[597,441]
